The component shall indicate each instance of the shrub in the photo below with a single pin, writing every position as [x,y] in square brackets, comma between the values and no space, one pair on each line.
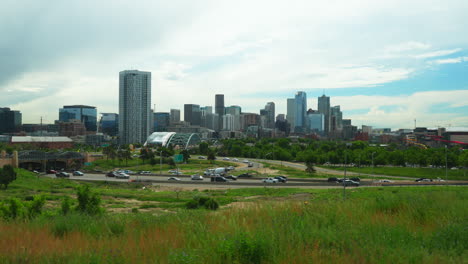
[242,248]
[66,205]
[13,209]
[35,207]
[211,204]
[192,204]
[88,202]
[202,201]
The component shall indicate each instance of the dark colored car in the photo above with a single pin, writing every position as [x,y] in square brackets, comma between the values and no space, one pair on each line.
[62,174]
[332,179]
[281,179]
[356,179]
[245,175]
[219,179]
[231,177]
[111,174]
[423,180]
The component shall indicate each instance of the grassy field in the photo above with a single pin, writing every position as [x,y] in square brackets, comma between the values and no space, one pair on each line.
[253,225]
[430,173]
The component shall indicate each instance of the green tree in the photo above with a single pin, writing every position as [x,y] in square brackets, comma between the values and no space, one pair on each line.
[186,155]
[7,175]
[203,148]
[310,168]
[211,156]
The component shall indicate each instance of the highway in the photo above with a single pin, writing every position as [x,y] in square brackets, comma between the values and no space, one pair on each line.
[186,181]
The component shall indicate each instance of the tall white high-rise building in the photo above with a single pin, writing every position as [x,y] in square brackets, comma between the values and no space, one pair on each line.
[134,106]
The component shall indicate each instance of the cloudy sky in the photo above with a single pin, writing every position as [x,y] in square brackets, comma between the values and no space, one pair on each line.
[385,63]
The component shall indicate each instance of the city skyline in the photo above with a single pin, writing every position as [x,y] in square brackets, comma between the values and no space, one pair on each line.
[385,64]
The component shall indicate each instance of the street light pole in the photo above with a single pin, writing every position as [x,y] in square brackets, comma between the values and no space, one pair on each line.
[372,172]
[160,163]
[344,179]
[446,163]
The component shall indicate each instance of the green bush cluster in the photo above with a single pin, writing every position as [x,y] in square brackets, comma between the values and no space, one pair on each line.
[202,201]
[14,208]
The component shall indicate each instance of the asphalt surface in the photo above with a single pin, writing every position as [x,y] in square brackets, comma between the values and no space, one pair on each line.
[185,180]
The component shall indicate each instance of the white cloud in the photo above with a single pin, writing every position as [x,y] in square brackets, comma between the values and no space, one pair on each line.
[405,108]
[236,48]
[437,53]
[447,61]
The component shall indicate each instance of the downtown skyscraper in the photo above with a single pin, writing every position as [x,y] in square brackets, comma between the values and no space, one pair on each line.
[134,106]
[301,111]
[323,107]
[219,110]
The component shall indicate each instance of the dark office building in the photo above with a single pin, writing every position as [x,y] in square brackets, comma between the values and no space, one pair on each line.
[110,124]
[10,120]
[192,114]
[161,121]
[86,114]
[219,110]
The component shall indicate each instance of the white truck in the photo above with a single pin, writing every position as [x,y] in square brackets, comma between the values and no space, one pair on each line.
[270,180]
[220,171]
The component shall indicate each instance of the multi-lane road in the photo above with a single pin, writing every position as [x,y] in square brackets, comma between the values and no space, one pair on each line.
[185,180]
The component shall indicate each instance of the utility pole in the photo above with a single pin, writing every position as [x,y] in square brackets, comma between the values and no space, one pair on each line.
[344,179]
[372,173]
[160,163]
[446,163]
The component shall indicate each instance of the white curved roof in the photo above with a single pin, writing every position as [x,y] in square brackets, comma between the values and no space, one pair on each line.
[160,138]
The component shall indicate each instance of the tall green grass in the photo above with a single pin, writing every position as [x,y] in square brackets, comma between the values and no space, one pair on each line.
[391,225]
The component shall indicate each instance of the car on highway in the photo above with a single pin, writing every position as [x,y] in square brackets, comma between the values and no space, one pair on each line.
[78,173]
[201,157]
[231,177]
[62,174]
[219,179]
[245,175]
[226,158]
[122,175]
[196,177]
[50,171]
[126,171]
[385,181]
[111,174]
[423,180]
[144,172]
[173,179]
[231,168]
[282,179]
[250,164]
[270,180]
[234,159]
[245,161]
[357,179]
[350,183]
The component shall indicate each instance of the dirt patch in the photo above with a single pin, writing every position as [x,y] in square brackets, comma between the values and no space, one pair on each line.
[266,171]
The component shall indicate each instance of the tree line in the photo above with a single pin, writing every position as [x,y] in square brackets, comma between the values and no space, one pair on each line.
[323,152]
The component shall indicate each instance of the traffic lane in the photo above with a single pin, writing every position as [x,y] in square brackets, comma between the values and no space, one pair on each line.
[331,171]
